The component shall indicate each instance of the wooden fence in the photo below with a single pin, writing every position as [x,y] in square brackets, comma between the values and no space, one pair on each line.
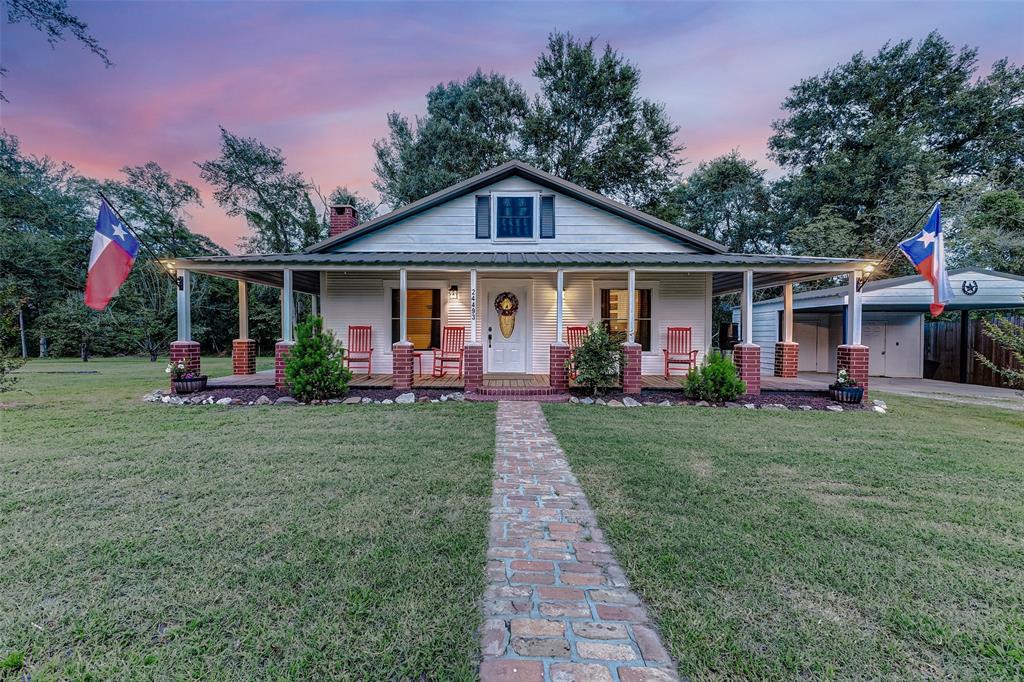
[942,351]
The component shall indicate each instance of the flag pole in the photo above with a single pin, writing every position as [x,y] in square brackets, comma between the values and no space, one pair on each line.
[177,280]
[892,249]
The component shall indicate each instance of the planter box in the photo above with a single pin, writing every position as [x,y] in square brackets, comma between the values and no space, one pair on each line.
[189,385]
[848,394]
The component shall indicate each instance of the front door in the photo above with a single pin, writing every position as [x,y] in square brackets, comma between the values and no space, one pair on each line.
[507,329]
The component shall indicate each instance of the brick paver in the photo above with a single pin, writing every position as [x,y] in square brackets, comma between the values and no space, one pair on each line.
[558,606]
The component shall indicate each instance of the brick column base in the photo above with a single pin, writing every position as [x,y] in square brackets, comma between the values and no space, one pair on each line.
[187,352]
[243,356]
[747,358]
[281,351]
[787,355]
[558,375]
[631,372]
[473,371]
[854,359]
[401,366]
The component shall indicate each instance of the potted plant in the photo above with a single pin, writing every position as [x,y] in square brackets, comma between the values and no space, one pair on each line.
[183,379]
[845,389]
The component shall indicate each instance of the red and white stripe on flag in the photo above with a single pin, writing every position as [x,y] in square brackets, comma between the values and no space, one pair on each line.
[110,262]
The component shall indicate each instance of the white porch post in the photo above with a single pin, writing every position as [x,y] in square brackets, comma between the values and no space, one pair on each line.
[787,314]
[403,305]
[853,311]
[243,309]
[185,306]
[631,309]
[559,296]
[286,307]
[314,306]
[472,307]
[747,307]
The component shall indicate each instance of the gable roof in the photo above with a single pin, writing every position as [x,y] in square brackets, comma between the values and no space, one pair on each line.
[538,176]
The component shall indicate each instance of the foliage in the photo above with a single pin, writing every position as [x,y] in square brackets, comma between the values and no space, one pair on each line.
[727,200]
[52,18]
[590,125]
[366,210]
[469,127]
[844,380]
[1009,335]
[995,232]
[315,368]
[179,371]
[252,181]
[598,359]
[716,380]
[914,121]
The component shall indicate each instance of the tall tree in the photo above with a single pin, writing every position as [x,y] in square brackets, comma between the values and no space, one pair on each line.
[995,232]
[52,18]
[469,127]
[728,200]
[252,180]
[590,125]
[894,131]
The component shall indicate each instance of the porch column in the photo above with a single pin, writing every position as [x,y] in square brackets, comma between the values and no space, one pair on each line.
[747,355]
[852,355]
[631,350]
[401,351]
[314,305]
[558,352]
[787,352]
[473,372]
[243,349]
[284,346]
[185,350]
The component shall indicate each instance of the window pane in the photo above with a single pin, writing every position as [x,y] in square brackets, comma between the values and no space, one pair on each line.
[615,314]
[424,317]
[643,333]
[514,219]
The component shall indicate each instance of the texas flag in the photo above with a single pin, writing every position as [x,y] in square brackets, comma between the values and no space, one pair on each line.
[926,252]
[113,252]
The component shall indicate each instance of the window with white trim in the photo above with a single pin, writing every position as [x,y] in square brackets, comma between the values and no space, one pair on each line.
[515,216]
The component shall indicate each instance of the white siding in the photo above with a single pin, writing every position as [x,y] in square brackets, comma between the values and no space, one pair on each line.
[677,300]
[578,227]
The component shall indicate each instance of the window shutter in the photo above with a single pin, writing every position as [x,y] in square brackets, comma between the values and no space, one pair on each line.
[547,217]
[483,217]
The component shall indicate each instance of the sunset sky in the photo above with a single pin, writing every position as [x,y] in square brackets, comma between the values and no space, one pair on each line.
[317,78]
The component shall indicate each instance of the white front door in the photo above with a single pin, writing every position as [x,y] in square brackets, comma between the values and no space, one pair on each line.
[872,335]
[506,335]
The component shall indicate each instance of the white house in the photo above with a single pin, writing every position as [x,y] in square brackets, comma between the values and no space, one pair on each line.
[894,315]
[564,255]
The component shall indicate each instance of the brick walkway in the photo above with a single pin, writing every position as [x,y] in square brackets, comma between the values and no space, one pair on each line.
[558,606]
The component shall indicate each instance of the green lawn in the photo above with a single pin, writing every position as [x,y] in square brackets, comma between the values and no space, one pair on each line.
[786,545]
[159,542]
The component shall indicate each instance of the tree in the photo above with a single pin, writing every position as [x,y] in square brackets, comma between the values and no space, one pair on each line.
[366,209]
[469,127]
[252,180]
[995,231]
[727,200]
[315,368]
[589,124]
[890,133]
[53,19]
[1010,335]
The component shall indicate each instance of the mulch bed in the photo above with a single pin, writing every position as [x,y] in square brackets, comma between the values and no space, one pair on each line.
[250,394]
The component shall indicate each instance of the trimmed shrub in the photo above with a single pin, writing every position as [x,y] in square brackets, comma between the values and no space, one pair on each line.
[715,381]
[314,368]
[597,360]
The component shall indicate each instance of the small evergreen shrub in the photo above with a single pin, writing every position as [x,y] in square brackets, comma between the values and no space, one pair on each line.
[715,381]
[598,359]
[314,367]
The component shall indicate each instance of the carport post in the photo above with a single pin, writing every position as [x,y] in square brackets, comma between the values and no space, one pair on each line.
[243,309]
[747,307]
[184,306]
[853,311]
[286,307]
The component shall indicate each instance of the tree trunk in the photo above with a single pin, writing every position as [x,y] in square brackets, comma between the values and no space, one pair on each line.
[21,326]
[84,350]
[44,346]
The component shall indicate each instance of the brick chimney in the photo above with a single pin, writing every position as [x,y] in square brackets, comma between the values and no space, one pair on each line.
[343,218]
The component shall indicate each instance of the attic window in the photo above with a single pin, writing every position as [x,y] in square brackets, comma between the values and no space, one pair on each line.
[515,216]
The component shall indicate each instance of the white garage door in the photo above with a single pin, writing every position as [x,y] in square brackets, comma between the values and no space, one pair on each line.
[811,332]
[896,344]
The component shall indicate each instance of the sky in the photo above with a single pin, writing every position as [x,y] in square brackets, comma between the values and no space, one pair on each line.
[317,79]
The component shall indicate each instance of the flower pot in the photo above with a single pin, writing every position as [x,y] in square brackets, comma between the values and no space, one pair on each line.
[846,394]
[189,385]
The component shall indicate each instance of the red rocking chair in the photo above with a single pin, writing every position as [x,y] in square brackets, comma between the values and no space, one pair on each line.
[360,347]
[451,351]
[679,351]
[575,336]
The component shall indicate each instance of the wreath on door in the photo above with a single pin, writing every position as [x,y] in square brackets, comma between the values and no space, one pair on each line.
[506,305]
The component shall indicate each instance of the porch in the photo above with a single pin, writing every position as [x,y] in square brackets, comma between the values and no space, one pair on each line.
[407,302]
